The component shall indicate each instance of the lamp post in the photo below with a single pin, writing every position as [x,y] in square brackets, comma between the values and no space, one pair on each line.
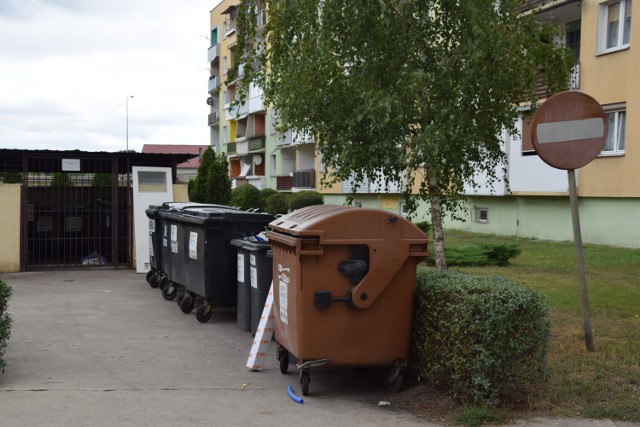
[129,96]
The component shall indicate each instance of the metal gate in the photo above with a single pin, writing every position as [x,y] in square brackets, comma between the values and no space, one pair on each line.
[76,212]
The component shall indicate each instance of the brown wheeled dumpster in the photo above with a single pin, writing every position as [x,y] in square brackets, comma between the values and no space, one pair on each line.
[344,284]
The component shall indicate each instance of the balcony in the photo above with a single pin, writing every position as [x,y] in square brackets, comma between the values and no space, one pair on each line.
[242,145]
[256,143]
[283,138]
[231,148]
[284,182]
[229,27]
[214,83]
[213,53]
[261,18]
[304,179]
[213,119]
[257,181]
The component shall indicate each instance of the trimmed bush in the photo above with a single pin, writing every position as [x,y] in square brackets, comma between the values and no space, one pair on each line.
[102,180]
[305,198]
[12,178]
[246,197]
[5,320]
[61,179]
[481,339]
[479,255]
[424,226]
[277,203]
[264,195]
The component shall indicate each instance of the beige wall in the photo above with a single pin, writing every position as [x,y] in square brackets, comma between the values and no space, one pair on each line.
[10,228]
[180,193]
[611,78]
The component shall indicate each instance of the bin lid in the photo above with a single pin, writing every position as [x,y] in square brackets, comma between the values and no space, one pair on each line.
[178,206]
[346,223]
[200,215]
[152,211]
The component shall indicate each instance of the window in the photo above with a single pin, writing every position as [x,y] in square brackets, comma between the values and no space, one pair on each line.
[152,182]
[617,117]
[482,215]
[614,27]
[404,209]
[527,145]
[273,169]
[357,204]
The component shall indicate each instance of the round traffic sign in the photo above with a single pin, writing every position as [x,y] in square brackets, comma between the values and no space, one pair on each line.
[569,130]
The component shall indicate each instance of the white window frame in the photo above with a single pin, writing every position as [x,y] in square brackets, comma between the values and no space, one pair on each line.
[480,218]
[273,169]
[603,27]
[619,114]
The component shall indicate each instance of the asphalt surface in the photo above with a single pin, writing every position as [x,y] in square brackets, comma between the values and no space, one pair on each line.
[102,348]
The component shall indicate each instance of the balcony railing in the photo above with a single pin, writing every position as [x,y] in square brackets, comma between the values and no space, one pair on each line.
[304,179]
[213,118]
[256,143]
[214,83]
[213,53]
[229,27]
[284,182]
[574,80]
[231,148]
[261,18]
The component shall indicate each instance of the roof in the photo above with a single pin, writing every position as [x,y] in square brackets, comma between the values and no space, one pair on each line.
[195,150]
[13,160]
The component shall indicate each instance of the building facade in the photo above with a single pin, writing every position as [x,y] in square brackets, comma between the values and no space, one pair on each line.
[533,199]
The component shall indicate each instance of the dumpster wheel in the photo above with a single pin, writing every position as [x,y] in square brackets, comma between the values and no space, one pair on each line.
[150,274]
[393,379]
[169,292]
[283,358]
[305,379]
[204,313]
[154,281]
[187,303]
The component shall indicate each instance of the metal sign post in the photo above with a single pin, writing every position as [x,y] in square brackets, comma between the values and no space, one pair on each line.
[568,132]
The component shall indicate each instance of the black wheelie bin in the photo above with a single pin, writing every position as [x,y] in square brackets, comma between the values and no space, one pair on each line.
[205,263]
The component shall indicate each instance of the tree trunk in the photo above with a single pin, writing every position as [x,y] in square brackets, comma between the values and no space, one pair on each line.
[436,220]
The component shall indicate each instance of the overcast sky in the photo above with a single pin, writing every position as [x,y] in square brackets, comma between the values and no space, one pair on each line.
[67,67]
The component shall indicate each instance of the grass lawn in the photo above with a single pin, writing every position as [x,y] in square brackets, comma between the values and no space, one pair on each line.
[602,384]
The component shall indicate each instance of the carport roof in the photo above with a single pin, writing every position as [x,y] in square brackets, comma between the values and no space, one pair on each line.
[13,160]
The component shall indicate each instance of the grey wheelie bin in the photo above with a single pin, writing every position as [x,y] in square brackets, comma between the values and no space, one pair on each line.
[254,279]
[155,241]
[205,263]
[344,284]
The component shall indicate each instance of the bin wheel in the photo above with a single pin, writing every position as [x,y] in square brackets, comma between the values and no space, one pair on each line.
[154,282]
[150,274]
[305,379]
[163,282]
[283,358]
[187,303]
[169,292]
[204,313]
[393,382]
[180,296]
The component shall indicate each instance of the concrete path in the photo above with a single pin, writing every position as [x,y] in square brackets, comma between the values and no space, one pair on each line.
[102,348]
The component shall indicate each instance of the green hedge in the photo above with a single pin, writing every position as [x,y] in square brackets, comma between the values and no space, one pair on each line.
[481,339]
[277,203]
[479,255]
[5,320]
[305,198]
[246,197]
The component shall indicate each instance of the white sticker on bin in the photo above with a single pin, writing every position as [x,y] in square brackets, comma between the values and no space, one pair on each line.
[150,245]
[262,340]
[254,277]
[240,267]
[193,245]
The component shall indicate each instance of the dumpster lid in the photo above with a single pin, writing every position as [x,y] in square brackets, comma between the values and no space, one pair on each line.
[201,214]
[338,223]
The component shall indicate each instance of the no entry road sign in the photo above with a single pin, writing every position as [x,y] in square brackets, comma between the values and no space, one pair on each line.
[569,130]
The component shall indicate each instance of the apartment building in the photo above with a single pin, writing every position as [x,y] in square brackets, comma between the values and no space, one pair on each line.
[260,152]
[535,202]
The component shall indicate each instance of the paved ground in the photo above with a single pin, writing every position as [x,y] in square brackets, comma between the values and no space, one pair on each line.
[100,347]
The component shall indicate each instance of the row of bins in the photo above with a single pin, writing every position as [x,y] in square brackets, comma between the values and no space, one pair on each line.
[191,257]
[343,279]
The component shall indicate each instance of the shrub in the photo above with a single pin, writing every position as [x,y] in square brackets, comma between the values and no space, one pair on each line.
[277,203]
[481,339]
[479,255]
[5,320]
[246,197]
[264,195]
[61,179]
[102,180]
[424,226]
[305,198]
[212,183]
[12,178]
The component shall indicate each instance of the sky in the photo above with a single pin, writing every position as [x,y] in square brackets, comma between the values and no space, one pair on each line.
[67,68]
